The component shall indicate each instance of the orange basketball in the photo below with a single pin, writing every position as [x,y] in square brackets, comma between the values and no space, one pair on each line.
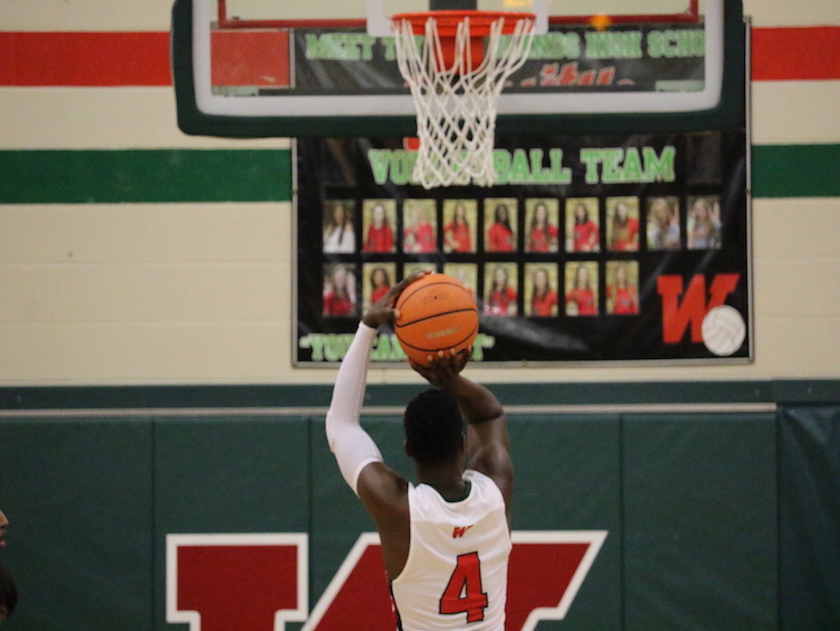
[437,313]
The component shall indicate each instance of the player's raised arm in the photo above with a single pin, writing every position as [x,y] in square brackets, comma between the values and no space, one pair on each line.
[353,448]
[488,443]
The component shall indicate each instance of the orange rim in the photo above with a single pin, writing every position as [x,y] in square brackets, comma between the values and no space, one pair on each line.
[448,21]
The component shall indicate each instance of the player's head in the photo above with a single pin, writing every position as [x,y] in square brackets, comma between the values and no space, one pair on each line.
[500,277]
[582,277]
[460,212]
[379,277]
[8,594]
[540,213]
[339,277]
[540,280]
[379,217]
[339,214]
[660,211]
[701,208]
[622,212]
[621,274]
[433,426]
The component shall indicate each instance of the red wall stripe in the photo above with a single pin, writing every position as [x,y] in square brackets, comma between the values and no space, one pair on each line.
[796,53]
[84,59]
[142,58]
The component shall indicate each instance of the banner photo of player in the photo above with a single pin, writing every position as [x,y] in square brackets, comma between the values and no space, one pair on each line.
[703,226]
[502,293]
[419,226]
[622,287]
[582,288]
[623,224]
[541,225]
[377,279]
[340,291]
[500,225]
[379,224]
[339,227]
[541,290]
[663,223]
[583,232]
[460,221]
[589,248]
[466,273]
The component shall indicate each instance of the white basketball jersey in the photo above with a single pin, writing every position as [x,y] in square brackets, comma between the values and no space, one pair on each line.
[455,577]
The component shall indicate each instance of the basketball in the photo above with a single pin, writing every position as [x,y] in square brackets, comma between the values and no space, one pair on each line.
[723,330]
[436,313]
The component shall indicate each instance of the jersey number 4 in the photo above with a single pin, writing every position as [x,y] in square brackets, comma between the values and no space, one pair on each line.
[464,593]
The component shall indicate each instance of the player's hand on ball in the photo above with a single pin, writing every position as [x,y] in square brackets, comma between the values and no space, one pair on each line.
[382,311]
[443,369]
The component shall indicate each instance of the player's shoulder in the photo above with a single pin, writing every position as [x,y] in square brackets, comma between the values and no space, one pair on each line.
[483,484]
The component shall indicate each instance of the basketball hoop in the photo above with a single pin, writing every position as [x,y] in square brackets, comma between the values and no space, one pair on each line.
[456,79]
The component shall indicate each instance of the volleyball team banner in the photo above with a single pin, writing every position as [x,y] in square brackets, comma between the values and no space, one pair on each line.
[587,249]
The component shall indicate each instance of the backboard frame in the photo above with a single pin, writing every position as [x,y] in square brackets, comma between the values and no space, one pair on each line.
[225,21]
[369,116]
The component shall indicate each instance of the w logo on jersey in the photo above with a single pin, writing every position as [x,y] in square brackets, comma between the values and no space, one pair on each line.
[266,581]
[459,531]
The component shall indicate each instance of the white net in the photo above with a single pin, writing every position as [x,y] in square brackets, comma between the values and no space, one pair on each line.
[457,105]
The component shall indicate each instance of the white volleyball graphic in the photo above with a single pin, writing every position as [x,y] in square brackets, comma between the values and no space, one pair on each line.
[723,330]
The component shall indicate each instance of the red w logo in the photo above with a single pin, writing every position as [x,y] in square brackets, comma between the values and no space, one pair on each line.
[460,531]
[267,578]
[266,581]
[676,315]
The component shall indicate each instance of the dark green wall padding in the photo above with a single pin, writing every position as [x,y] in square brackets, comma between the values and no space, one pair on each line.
[692,503]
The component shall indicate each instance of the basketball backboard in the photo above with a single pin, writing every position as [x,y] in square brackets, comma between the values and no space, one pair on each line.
[274,67]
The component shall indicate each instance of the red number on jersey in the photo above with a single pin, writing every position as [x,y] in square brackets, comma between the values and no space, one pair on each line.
[464,593]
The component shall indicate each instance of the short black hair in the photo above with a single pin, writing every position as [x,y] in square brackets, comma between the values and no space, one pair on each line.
[8,591]
[433,427]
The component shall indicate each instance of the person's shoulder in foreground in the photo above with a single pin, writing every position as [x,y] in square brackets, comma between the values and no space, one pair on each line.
[8,594]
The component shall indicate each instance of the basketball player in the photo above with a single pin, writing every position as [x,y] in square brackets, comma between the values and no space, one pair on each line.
[445,541]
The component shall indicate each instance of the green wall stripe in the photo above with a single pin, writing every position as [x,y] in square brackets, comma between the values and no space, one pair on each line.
[248,175]
[159,175]
[796,170]
[801,392]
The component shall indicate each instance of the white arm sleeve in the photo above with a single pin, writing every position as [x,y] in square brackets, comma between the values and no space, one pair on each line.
[352,446]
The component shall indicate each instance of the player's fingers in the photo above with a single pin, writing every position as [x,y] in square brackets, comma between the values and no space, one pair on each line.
[465,355]
[391,297]
[444,365]
[405,282]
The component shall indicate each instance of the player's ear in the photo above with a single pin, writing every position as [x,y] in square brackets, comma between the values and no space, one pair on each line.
[407,449]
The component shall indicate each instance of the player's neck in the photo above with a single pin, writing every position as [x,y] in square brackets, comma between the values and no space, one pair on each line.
[445,479]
